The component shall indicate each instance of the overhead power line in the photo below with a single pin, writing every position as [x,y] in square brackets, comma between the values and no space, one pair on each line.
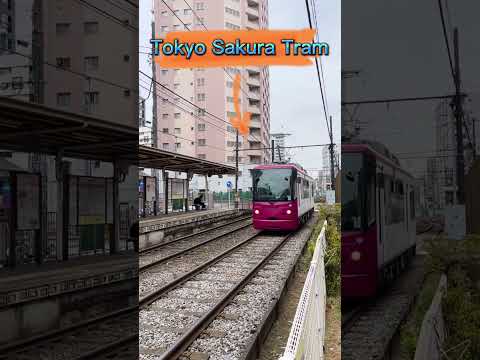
[445,36]
[318,72]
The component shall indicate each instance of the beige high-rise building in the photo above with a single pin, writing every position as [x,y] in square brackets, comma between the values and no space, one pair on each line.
[185,129]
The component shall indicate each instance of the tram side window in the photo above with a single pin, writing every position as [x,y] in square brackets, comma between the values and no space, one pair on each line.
[370,201]
[394,202]
[412,205]
[299,187]
[306,191]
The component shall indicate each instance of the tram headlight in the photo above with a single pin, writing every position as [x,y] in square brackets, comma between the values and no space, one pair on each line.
[257,211]
[289,212]
[356,255]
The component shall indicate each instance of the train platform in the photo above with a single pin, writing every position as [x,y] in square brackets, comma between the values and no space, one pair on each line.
[181,218]
[39,282]
[155,230]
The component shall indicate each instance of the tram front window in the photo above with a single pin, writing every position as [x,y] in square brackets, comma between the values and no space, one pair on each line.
[272,185]
[352,188]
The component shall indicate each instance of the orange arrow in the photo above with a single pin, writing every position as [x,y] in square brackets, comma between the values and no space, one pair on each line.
[239,122]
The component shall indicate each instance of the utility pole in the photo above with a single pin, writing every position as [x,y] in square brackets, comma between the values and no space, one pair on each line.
[332,163]
[474,138]
[273,151]
[459,123]
[156,172]
[236,170]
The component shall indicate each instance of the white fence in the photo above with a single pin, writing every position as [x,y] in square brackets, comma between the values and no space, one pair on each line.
[432,332]
[307,334]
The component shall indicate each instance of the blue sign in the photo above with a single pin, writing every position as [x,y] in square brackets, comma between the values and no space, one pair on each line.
[140,186]
[229,184]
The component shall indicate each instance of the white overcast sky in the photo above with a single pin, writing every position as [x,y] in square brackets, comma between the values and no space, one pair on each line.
[296,105]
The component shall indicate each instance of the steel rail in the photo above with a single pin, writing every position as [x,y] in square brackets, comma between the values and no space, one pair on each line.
[188,337]
[32,341]
[109,348]
[155,295]
[158,246]
[181,252]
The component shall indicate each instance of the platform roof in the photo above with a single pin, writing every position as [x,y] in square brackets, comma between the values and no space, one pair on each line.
[29,127]
[160,159]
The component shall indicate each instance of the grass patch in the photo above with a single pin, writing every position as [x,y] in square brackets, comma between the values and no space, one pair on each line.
[459,260]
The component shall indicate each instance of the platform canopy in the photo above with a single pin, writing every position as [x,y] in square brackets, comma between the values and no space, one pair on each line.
[29,127]
[160,159]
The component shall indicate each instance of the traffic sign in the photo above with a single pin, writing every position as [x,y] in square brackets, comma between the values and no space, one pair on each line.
[229,184]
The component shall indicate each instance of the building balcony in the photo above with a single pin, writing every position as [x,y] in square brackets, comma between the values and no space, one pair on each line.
[252,13]
[254,95]
[253,80]
[253,3]
[253,109]
[252,24]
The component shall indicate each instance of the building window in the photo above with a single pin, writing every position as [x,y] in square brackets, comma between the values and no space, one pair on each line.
[62,28]
[201,127]
[164,13]
[164,100]
[200,6]
[231,129]
[63,62]
[232,11]
[200,97]
[201,82]
[165,130]
[230,143]
[200,20]
[176,27]
[230,99]
[176,116]
[176,86]
[63,99]
[90,27]
[164,116]
[231,114]
[231,26]
[165,146]
[178,145]
[229,84]
[91,100]
[230,158]
[164,72]
[91,63]
[186,11]
[164,28]
[177,130]
[201,112]
[202,156]
[202,142]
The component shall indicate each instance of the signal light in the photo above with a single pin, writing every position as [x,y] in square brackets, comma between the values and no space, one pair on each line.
[257,211]
[289,212]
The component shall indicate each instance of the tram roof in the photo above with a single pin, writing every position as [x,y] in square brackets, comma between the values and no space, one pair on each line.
[160,159]
[30,127]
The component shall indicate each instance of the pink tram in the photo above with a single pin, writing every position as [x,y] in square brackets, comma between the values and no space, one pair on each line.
[282,197]
[378,219]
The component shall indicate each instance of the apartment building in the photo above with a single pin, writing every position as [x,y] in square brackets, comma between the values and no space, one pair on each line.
[16,37]
[82,38]
[280,154]
[207,134]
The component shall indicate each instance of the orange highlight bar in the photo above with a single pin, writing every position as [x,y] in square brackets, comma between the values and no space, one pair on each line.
[239,122]
[209,59]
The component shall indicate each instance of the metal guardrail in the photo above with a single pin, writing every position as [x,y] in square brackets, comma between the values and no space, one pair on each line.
[307,335]
[432,333]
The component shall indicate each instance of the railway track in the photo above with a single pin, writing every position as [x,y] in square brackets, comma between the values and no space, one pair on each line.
[182,246]
[187,237]
[173,316]
[96,338]
[368,328]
